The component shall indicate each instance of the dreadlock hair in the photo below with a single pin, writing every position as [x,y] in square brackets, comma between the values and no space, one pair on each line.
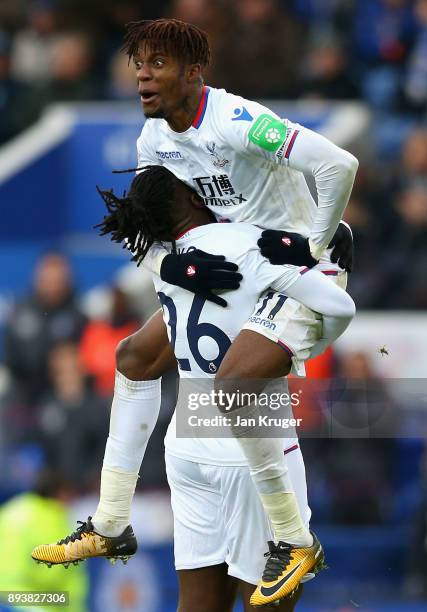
[176,38]
[144,215]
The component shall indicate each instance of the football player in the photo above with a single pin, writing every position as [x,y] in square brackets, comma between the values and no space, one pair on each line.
[219,519]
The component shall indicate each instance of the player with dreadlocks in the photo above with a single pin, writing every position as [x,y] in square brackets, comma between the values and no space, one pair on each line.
[138,226]
[159,207]
[248,165]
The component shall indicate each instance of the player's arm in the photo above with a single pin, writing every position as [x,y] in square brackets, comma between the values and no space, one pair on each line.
[311,289]
[316,291]
[263,135]
[334,170]
[196,271]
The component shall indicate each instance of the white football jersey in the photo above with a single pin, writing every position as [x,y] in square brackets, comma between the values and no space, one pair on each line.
[201,332]
[248,164]
[215,156]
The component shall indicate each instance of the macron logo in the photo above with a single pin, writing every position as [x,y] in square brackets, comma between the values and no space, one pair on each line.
[169,155]
[242,114]
[286,241]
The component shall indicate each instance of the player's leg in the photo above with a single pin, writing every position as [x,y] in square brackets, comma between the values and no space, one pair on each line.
[253,356]
[283,560]
[251,359]
[141,360]
[285,605]
[207,589]
[284,329]
[247,527]
[200,545]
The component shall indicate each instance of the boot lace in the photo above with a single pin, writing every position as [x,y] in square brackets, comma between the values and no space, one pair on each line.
[279,558]
[85,527]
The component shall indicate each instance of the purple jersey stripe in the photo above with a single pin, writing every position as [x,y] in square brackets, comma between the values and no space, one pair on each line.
[285,347]
[291,144]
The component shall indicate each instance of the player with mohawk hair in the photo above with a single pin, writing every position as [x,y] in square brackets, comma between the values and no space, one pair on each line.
[248,165]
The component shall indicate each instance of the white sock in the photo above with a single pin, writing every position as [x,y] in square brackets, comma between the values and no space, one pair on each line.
[117,490]
[134,412]
[282,508]
[269,472]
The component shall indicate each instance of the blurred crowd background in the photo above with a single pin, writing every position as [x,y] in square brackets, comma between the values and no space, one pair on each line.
[57,348]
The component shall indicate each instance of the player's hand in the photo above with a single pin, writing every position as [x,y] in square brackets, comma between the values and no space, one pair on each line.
[201,273]
[286,248]
[342,245]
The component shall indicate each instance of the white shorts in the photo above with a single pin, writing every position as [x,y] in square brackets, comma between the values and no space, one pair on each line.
[218,516]
[290,324]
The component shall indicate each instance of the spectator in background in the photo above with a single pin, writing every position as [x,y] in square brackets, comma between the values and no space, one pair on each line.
[215,18]
[50,314]
[34,516]
[405,264]
[410,165]
[359,408]
[100,340]
[73,420]
[72,74]
[33,46]
[256,45]
[121,78]
[365,283]
[267,39]
[17,111]
[325,70]
[415,84]
[114,15]
[383,34]
[332,15]
[414,155]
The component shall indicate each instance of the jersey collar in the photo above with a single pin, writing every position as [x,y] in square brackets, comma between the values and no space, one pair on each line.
[186,231]
[198,119]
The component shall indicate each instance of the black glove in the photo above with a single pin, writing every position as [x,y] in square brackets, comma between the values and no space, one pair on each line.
[286,248]
[201,273]
[343,250]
